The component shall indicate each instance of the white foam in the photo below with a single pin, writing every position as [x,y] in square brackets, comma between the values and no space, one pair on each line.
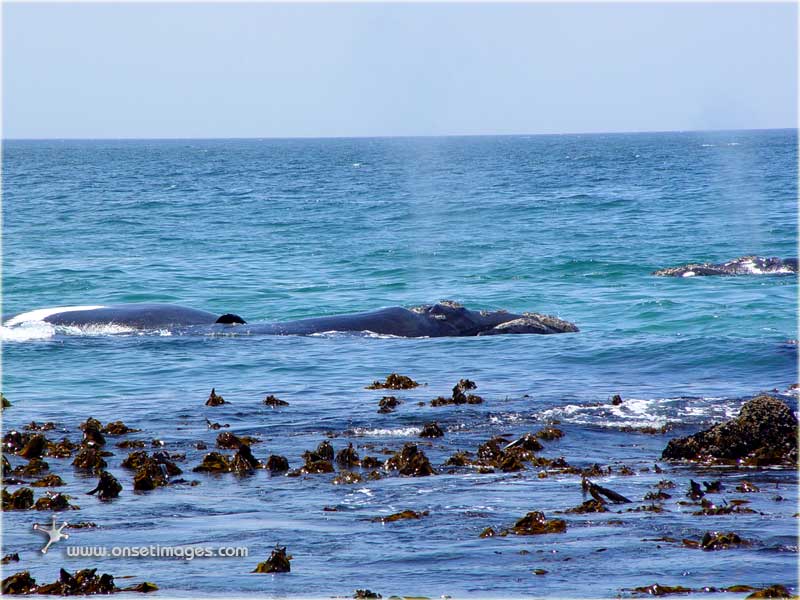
[36,330]
[398,432]
[641,412]
[42,313]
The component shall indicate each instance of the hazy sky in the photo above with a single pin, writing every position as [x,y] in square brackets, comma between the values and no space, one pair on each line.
[281,70]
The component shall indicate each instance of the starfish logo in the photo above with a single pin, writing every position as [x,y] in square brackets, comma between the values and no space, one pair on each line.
[53,532]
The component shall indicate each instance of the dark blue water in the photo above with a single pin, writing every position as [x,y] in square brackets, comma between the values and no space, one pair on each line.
[569,225]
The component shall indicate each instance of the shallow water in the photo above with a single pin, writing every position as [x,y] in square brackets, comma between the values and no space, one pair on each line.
[282,229]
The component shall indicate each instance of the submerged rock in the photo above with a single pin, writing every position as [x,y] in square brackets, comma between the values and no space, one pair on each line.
[394,382]
[278,562]
[764,433]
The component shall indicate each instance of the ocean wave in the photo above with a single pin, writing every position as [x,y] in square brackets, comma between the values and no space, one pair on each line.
[646,412]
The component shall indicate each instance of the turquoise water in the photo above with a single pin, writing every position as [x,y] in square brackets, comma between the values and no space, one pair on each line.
[569,225]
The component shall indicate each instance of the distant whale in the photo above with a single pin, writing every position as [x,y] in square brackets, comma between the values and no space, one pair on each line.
[745,265]
[444,319]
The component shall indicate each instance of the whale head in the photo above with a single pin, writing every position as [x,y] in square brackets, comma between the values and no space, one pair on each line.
[460,321]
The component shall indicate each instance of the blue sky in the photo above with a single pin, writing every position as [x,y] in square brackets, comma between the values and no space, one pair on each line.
[278,70]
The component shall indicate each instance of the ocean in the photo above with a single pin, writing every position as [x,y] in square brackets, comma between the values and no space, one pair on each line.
[279,229]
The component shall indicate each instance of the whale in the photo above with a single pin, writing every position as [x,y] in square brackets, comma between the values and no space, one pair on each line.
[744,265]
[442,319]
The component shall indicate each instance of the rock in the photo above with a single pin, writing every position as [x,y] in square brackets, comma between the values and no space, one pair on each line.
[278,562]
[431,430]
[277,463]
[62,449]
[535,523]
[459,396]
[325,450]
[14,441]
[34,426]
[126,444]
[14,557]
[22,499]
[214,462]
[406,514]
[773,591]
[526,442]
[54,502]
[19,584]
[346,477]
[713,540]
[89,459]
[51,480]
[549,434]
[410,461]
[662,590]
[243,461]
[228,440]
[387,404]
[274,402]
[4,402]
[370,462]
[459,459]
[366,595]
[616,400]
[35,466]
[118,428]
[394,382]
[590,506]
[348,457]
[764,433]
[215,399]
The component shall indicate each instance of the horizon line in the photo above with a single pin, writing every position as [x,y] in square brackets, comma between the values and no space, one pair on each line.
[390,136]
